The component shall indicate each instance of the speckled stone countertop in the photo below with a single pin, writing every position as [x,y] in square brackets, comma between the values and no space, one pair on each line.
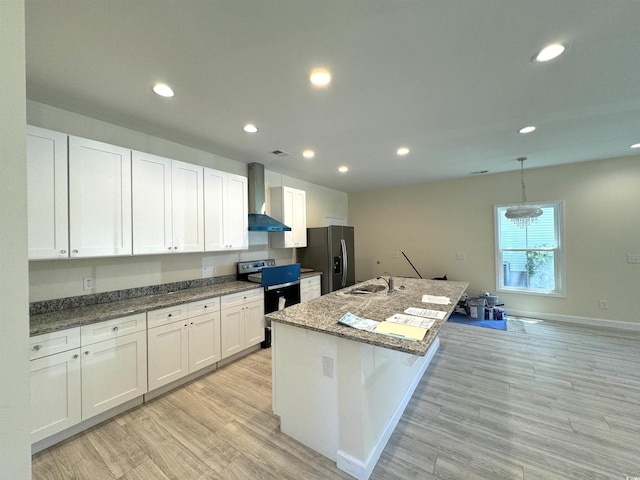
[322,314]
[75,317]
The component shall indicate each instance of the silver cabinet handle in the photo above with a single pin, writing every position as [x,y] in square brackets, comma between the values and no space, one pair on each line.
[36,348]
[169,248]
[63,251]
[74,251]
[86,352]
[75,357]
[115,329]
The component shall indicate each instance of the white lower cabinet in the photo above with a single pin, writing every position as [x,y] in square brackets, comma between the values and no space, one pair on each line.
[114,371]
[81,372]
[310,288]
[55,393]
[177,348]
[241,321]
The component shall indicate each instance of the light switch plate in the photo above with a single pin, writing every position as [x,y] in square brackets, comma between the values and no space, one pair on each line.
[633,258]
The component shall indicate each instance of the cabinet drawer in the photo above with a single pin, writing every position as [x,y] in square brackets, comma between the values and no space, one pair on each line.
[203,307]
[241,298]
[109,329]
[305,282]
[163,316]
[54,342]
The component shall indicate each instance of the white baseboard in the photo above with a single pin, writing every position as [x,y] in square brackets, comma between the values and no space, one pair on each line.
[362,469]
[594,322]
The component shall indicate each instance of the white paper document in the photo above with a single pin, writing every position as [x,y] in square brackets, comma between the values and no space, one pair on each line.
[411,320]
[426,313]
[435,299]
[360,323]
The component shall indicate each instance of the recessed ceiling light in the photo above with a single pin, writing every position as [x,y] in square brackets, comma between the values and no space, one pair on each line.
[343,169]
[163,90]
[635,145]
[320,77]
[250,128]
[308,153]
[402,151]
[527,129]
[549,52]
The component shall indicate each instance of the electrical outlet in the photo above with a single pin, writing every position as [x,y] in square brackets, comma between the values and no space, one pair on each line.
[327,366]
[208,271]
[394,254]
[87,283]
[460,256]
[604,304]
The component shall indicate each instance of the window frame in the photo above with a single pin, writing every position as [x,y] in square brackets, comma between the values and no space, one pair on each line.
[559,253]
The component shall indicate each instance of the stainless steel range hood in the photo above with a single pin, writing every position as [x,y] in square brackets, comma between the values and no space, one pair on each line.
[258,221]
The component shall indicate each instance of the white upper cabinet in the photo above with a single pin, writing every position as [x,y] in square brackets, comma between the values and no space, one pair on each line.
[187,202]
[99,199]
[151,191]
[289,205]
[47,194]
[225,211]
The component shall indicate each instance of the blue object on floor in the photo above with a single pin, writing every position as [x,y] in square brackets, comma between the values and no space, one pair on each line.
[465,320]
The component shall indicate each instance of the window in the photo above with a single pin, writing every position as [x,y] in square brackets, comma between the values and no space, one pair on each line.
[530,259]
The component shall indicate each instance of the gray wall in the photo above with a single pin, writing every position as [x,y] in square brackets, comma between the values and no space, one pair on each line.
[432,222]
[15,451]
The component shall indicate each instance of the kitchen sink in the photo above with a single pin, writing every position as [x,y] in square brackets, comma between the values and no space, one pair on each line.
[366,289]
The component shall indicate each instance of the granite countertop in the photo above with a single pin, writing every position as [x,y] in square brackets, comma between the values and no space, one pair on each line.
[322,314]
[75,317]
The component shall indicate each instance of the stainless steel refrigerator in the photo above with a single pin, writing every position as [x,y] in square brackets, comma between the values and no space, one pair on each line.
[330,251]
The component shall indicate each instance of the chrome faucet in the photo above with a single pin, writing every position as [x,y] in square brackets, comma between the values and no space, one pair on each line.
[390,282]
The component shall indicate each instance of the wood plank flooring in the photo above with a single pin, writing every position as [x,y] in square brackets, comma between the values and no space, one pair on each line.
[542,400]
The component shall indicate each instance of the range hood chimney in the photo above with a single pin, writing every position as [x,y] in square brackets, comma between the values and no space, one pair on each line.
[258,221]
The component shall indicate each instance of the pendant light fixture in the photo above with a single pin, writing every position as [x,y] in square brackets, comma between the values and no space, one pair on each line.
[523,215]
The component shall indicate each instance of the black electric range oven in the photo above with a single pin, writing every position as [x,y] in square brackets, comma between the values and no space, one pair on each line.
[281,286]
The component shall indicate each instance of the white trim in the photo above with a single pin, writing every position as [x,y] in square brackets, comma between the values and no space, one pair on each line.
[594,322]
[362,469]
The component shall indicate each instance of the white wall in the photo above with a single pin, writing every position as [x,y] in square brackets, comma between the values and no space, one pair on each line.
[15,452]
[432,222]
[63,278]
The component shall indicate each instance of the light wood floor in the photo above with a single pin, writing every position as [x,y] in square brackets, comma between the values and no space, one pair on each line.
[541,401]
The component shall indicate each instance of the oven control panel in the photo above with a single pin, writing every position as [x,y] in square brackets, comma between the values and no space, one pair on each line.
[254,266]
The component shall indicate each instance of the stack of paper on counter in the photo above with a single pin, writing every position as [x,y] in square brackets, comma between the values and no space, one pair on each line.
[401,330]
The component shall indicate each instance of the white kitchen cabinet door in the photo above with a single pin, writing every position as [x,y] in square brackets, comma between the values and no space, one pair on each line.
[310,288]
[236,226]
[232,330]
[151,204]
[168,353]
[55,393]
[215,200]
[289,205]
[113,372]
[204,341]
[47,196]
[99,199]
[253,324]
[187,202]
[225,211]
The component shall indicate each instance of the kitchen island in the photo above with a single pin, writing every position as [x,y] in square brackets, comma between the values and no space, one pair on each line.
[340,390]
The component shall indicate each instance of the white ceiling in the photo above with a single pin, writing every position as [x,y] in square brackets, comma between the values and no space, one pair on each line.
[450,79]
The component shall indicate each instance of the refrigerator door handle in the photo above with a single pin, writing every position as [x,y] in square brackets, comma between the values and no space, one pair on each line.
[345,261]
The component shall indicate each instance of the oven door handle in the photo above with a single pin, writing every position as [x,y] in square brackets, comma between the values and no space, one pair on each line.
[281,285]
[345,261]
